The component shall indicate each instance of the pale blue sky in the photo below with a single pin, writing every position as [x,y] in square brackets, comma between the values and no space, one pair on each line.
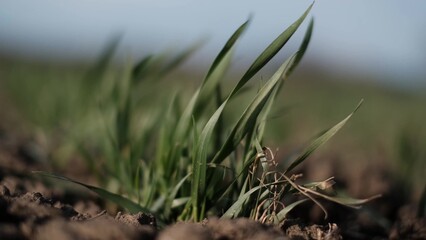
[383,37]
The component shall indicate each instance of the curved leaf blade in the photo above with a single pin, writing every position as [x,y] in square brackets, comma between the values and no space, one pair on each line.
[237,206]
[117,199]
[321,140]
[303,46]
[271,51]
[283,213]
[249,116]
[217,68]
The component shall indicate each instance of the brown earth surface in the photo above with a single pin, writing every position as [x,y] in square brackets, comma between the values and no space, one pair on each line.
[33,209]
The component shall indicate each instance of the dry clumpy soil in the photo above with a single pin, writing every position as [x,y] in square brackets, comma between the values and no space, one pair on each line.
[32,216]
[30,209]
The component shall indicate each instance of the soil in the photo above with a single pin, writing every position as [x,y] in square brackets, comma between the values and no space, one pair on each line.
[33,209]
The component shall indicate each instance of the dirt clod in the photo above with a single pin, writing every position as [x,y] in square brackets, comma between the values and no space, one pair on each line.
[295,229]
[138,220]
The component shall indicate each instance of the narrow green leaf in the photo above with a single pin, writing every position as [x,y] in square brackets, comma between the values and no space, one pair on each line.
[320,140]
[248,118]
[228,46]
[283,213]
[235,209]
[117,199]
[200,159]
[181,57]
[345,200]
[140,69]
[244,171]
[208,89]
[303,46]
[170,201]
[265,113]
[270,51]
[221,61]
[182,128]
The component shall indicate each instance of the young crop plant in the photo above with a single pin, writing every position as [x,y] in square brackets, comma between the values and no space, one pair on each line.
[190,161]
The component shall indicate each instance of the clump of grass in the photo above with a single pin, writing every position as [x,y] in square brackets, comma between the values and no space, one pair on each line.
[179,161]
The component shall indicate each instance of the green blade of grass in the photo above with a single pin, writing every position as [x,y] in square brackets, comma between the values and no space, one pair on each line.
[200,161]
[341,199]
[270,51]
[237,206]
[348,201]
[166,164]
[303,46]
[264,115]
[225,190]
[172,196]
[200,156]
[117,199]
[283,213]
[225,50]
[181,57]
[248,118]
[218,67]
[207,91]
[140,69]
[234,210]
[320,141]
